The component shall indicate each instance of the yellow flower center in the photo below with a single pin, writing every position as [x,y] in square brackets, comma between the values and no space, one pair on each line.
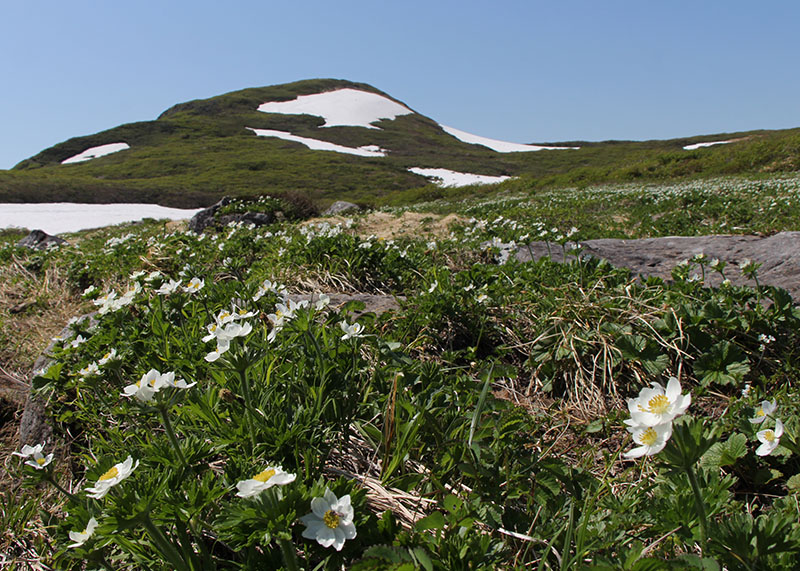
[40,461]
[106,356]
[769,436]
[265,475]
[649,437]
[659,404]
[112,473]
[760,412]
[331,519]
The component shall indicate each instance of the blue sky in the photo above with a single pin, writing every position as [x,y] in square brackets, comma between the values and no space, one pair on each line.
[523,71]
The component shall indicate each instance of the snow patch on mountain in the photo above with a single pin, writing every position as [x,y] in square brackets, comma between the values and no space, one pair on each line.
[495,144]
[448,178]
[701,145]
[342,107]
[95,152]
[317,145]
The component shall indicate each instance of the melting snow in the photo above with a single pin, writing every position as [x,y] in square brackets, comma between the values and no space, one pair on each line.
[58,217]
[497,145]
[317,145]
[343,107]
[95,152]
[701,145]
[444,177]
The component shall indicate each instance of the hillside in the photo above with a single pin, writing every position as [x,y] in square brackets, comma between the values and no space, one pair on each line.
[195,152]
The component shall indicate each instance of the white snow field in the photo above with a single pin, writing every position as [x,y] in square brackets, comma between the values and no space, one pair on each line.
[343,107]
[96,152]
[58,217]
[445,177]
[701,145]
[317,145]
[497,145]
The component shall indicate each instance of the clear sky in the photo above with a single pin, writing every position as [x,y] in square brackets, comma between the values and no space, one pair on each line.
[524,71]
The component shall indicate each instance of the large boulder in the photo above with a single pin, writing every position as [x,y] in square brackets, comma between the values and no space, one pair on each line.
[779,255]
[209,217]
[341,206]
[40,240]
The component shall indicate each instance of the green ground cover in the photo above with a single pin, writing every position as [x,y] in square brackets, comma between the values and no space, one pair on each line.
[479,425]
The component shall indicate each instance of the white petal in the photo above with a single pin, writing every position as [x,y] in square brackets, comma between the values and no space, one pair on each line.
[326,536]
[320,506]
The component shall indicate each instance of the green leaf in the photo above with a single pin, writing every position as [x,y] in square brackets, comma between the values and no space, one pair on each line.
[793,483]
[433,521]
[723,364]
[726,453]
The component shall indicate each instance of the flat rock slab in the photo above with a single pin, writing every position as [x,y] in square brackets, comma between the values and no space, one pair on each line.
[779,255]
[374,303]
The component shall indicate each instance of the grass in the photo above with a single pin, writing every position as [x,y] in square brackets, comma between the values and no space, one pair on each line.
[480,425]
[199,151]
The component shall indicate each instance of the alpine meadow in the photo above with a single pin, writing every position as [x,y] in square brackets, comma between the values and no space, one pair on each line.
[401,385]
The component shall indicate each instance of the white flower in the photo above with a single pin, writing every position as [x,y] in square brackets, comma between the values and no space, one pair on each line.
[330,521]
[28,450]
[110,356]
[434,285]
[152,276]
[81,537]
[79,340]
[769,439]
[657,405]
[224,335]
[482,298]
[351,331]
[194,285]
[89,290]
[651,439]
[137,275]
[322,302]
[763,411]
[112,477]
[89,370]
[38,460]
[168,380]
[271,476]
[145,388]
[168,288]
[105,299]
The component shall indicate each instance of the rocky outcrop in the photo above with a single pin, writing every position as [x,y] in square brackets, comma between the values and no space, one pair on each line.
[779,255]
[40,240]
[209,217]
[341,206]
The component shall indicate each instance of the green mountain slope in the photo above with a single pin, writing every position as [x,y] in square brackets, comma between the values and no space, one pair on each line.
[198,151]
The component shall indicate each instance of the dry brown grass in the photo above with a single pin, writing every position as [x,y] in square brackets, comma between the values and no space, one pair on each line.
[408,224]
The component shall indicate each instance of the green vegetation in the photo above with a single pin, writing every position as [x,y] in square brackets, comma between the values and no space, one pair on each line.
[199,151]
[480,425]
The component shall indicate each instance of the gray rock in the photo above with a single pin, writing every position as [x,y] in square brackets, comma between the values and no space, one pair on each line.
[779,255]
[207,217]
[40,240]
[33,426]
[339,207]
[374,303]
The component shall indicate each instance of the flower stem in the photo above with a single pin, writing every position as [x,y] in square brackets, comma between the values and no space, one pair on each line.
[58,487]
[171,434]
[701,509]
[164,545]
[248,403]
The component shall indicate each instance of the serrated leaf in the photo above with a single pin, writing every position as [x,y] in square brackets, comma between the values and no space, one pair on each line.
[726,453]
[793,483]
